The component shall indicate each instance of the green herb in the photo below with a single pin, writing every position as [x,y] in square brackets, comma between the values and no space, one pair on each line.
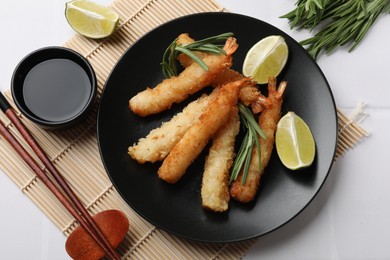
[211,45]
[346,21]
[244,154]
[309,13]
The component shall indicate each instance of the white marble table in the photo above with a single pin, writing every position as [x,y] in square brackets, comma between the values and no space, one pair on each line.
[349,219]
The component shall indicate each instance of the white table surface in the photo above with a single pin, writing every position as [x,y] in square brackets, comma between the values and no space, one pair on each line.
[349,219]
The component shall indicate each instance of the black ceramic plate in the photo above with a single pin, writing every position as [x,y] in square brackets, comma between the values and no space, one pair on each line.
[177,208]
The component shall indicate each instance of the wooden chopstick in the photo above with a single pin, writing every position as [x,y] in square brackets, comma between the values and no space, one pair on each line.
[80,213]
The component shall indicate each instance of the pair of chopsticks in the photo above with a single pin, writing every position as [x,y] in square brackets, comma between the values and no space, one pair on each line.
[78,212]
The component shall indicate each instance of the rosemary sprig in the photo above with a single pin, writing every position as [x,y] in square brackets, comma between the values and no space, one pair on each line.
[347,21]
[309,13]
[211,45]
[251,139]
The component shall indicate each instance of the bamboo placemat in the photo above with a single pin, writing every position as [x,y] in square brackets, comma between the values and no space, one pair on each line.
[75,151]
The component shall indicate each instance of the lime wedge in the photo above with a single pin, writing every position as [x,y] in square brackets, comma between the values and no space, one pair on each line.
[91,19]
[266,59]
[294,142]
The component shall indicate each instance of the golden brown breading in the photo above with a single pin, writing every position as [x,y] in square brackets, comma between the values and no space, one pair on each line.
[198,135]
[215,181]
[177,89]
[159,142]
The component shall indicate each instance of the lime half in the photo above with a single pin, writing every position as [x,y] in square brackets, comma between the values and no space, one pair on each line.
[266,59]
[294,142]
[91,19]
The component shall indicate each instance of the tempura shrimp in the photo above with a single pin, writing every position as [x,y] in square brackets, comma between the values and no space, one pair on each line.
[249,95]
[270,115]
[215,180]
[159,142]
[177,89]
[197,136]
[186,61]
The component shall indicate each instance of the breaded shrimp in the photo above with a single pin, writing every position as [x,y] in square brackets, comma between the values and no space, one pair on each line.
[198,135]
[185,61]
[227,75]
[248,96]
[159,142]
[215,181]
[177,89]
[268,120]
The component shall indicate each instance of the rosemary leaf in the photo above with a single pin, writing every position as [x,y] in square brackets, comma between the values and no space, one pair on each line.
[257,142]
[168,61]
[248,158]
[210,49]
[239,160]
[213,39]
[192,56]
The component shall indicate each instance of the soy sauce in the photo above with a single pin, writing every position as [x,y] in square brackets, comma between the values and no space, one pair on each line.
[56,89]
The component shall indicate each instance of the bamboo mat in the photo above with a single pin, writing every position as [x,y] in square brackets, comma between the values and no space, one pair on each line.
[75,151]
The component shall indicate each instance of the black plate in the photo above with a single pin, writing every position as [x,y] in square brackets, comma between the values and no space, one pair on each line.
[177,208]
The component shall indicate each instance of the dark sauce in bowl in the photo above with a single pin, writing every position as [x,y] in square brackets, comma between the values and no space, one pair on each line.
[56,89]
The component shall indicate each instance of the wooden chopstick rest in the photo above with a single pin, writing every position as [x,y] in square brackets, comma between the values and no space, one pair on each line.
[113,224]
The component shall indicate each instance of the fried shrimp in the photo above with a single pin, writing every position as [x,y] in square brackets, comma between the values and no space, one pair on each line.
[215,181]
[198,135]
[268,120]
[159,142]
[226,75]
[177,89]
[249,95]
[185,61]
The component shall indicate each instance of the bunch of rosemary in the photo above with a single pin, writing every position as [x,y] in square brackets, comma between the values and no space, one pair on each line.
[345,21]
[211,45]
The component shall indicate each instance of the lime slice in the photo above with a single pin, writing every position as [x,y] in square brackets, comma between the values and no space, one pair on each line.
[266,59]
[294,142]
[91,19]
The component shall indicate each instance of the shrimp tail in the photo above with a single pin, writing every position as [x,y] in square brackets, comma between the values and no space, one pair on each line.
[230,46]
[281,89]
